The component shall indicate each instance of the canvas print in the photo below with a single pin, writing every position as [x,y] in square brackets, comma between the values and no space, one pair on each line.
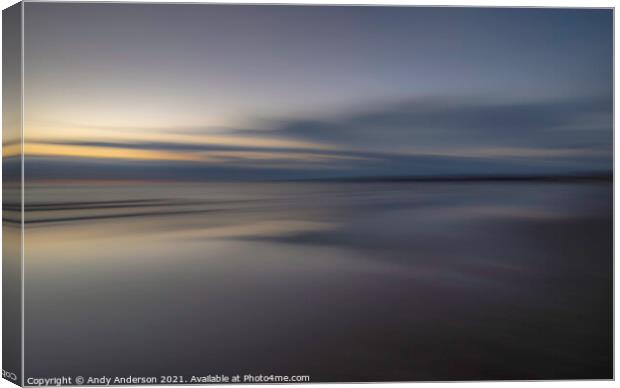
[234,193]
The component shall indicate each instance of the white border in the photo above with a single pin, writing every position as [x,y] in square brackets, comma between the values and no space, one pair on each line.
[469,3]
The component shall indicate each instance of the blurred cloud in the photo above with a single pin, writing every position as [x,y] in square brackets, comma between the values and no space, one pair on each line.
[437,122]
[416,137]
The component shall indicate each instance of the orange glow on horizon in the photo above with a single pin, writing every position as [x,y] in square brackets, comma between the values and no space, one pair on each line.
[42,149]
[218,156]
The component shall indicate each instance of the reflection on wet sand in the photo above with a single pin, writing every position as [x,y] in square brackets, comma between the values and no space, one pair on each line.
[341,281]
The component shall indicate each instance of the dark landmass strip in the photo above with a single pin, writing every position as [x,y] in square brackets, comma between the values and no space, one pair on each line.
[472,178]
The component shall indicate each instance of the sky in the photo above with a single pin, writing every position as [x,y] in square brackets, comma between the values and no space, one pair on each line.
[206,92]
